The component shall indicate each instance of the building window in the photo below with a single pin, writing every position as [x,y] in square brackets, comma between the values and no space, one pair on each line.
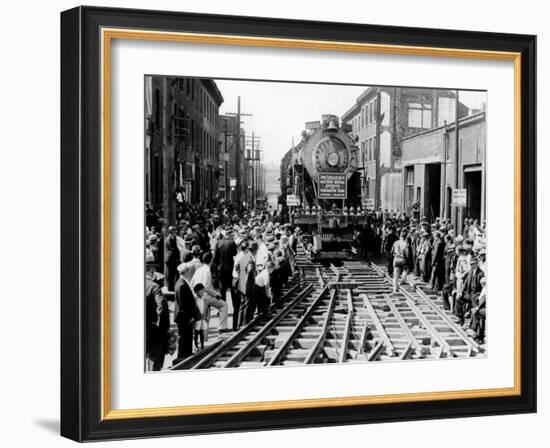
[420,115]
[370,112]
[409,182]
[371,152]
[409,175]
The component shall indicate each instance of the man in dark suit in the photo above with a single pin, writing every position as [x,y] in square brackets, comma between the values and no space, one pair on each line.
[157,319]
[226,249]
[388,242]
[438,262]
[171,258]
[471,291]
[247,275]
[185,312]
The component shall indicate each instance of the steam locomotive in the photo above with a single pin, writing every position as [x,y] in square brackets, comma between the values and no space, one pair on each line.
[321,187]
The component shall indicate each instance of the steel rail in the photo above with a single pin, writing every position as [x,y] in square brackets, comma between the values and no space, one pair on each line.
[407,352]
[347,329]
[376,351]
[474,346]
[244,351]
[436,334]
[314,351]
[403,324]
[277,357]
[196,357]
[412,303]
[239,335]
[383,335]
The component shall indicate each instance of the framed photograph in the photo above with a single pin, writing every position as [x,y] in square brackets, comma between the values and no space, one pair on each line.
[277,224]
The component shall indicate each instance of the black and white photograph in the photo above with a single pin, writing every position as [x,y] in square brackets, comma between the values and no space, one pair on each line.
[293,223]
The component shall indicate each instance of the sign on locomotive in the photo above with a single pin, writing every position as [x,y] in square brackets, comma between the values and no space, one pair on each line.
[333,186]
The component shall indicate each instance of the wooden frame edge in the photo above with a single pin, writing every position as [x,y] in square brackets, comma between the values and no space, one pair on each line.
[107,34]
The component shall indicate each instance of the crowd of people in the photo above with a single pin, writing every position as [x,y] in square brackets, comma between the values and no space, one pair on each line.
[453,264]
[215,253]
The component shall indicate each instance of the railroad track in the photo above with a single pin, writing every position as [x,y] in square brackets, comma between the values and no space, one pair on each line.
[342,314]
[436,333]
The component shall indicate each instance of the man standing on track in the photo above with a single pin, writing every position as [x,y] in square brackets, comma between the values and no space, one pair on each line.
[212,297]
[247,276]
[389,241]
[226,250]
[185,311]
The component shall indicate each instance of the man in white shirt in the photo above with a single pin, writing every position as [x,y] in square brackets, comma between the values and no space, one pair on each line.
[263,288]
[212,297]
[262,256]
[187,270]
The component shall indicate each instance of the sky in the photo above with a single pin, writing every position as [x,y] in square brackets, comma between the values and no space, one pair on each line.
[279,110]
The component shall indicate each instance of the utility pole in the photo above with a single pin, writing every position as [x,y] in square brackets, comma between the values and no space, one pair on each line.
[167,156]
[253,159]
[225,159]
[444,163]
[457,167]
[239,114]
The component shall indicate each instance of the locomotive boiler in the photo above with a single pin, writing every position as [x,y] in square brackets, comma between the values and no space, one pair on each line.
[321,186]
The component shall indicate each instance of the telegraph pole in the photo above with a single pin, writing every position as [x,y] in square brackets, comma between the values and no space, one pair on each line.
[457,168]
[239,114]
[253,159]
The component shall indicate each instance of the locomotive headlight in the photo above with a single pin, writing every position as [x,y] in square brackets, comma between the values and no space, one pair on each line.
[333,159]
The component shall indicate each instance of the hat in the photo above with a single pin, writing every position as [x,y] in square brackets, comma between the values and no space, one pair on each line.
[187,238]
[270,239]
[153,237]
[196,249]
[459,239]
[195,227]
[171,228]
[483,251]
[271,246]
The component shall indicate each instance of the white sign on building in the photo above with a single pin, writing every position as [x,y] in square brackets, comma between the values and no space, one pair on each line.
[459,197]
[292,200]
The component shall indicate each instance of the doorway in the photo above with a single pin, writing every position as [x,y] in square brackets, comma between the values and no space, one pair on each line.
[472,183]
[432,190]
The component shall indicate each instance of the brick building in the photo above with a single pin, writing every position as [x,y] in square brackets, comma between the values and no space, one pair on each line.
[432,169]
[181,144]
[380,119]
